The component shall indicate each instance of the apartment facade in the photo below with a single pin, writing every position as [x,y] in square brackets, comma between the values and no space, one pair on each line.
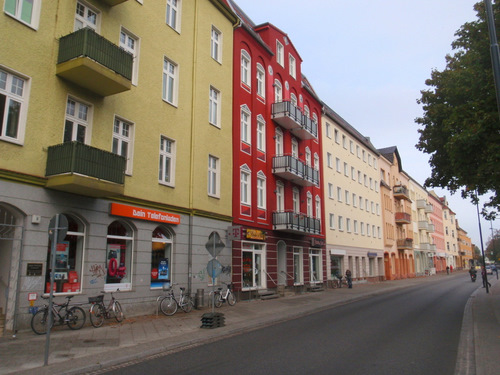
[464,248]
[352,201]
[450,236]
[124,135]
[438,235]
[277,199]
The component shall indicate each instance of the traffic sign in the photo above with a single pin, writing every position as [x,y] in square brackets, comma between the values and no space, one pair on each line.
[214,268]
[214,244]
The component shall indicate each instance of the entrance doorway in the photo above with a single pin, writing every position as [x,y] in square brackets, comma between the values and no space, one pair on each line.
[282,274]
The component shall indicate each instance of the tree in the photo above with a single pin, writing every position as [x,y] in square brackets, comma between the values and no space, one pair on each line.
[461,127]
[493,247]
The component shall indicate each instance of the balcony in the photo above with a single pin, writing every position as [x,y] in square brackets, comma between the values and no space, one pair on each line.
[296,223]
[308,130]
[423,225]
[287,115]
[427,207]
[92,62]
[402,218]
[112,3]
[81,169]
[405,244]
[401,192]
[427,246]
[292,169]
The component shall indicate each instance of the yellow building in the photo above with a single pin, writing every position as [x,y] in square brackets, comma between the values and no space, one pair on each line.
[116,114]
[352,201]
[450,236]
[465,248]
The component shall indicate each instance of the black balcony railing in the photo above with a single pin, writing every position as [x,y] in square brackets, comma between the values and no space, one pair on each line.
[310,125]
[293,169]
[87,43]
[296,222]
[76,157]
[287,110]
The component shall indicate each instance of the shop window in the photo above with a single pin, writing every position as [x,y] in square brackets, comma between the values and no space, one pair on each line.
[119,257]
[252,265]
[315,260]
[69,259]
[161,258]
[298,275]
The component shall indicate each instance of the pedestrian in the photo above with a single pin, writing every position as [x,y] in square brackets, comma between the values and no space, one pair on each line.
[447,270]
[348,276]
[494,269]
[485,277]
[451,269]
[339,276]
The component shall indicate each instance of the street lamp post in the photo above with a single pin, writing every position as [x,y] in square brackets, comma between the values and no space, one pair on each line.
[495,55]
[482,247]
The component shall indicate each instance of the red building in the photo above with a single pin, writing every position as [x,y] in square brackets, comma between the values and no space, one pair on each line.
[279,239]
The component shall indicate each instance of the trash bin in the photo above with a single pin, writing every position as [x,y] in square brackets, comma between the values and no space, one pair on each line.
[200,298]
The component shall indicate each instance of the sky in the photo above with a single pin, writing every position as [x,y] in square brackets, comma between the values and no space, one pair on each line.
[368,60]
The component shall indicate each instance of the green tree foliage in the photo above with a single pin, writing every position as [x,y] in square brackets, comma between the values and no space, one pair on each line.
[460,125]
[493,247]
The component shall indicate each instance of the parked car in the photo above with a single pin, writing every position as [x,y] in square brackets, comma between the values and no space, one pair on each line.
[489,270]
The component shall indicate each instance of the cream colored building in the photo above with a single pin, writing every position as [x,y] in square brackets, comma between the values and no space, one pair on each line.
[450,236]
[352,200]
[118,115]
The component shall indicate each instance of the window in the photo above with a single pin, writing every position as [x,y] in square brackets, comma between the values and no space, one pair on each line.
[245,125]
[344,141]
[122,141]
[309,204]
[346,170]
[336,136]
[341,223]
[118,257]
[362,225]
[216,45]
[86,17]
[261,190]
[26,11]
[170,81]
[261,81]
[357,151]
[315,264]
[351,147]
[295,148]
[245,194]
[167,161]
[328,130]
[214,107]
[130,44]
[331,221]
[213,176]
[280,197]
[348,225]
[252,265]
[278,91]
[318,208]
[245,68]
[14,92]
[339,194]
[354,200]
[77,121]
[298,274]
[330,190]
[337,164]
[296,200]
[173,18]
[347,197]
[278,141]
[355,226]
[316,161]
[329,160]
[280,54]
[308,156]
[161,257]
[292,68]
[261,134]
[293,99]
[353,173]
[69,258]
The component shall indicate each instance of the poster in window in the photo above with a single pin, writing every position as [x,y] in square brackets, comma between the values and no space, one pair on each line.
[163,269]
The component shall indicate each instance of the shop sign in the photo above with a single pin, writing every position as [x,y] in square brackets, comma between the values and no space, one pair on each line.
[234,233]
[144,214]
[255,234]
[34,269]
[317,242]
[371,255]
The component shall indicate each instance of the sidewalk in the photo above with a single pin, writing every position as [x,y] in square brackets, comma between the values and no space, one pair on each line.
[90,349]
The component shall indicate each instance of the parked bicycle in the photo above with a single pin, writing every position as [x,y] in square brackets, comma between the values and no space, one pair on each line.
[170,303]
[74,317]
[338,282]
[223,296]
[99,311]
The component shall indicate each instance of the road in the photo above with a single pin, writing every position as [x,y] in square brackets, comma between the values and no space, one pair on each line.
[410,331]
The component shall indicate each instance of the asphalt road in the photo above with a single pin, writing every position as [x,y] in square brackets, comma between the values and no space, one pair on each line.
[411,331]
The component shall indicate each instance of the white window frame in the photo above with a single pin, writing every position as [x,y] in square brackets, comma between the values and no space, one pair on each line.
[15,8]
[261,190]
[246,68]
[170,82]
[296,200]
[337,165]
[329,162]
[245,186]
[280,197]
[339,193]
[280,53]
[328,130]
[292,68]
[330,190]
[173,14]
[261,133]
[216,44]
[85,20]
[341,223]
[214,107]
[213,183]
[246,124]
[123,133]
[80,118]
[169,155]
[317,207]
[261,81]
[278,134]
[331,221]
[278,91]
[309,205]
[16,89]
[125,42]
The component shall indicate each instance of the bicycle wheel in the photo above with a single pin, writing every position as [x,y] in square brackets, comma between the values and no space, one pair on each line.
[231,299]
[75,318]
[97,315]
[117,310]
[39,322]
[218,300]
[186,304]
[168,306]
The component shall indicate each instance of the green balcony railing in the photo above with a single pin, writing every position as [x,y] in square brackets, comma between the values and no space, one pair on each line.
[76,157]
[87,43]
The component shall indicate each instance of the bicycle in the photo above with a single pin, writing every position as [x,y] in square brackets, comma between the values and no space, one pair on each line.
[73,317]
[98,310]
[169,304]
[220,297]
[337,283]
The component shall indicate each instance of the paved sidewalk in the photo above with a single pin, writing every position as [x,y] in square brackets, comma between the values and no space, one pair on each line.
[90,349]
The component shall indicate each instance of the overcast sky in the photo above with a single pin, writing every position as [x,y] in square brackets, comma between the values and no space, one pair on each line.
[368,60]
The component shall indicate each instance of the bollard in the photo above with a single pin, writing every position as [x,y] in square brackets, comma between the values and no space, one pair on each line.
[200,299]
